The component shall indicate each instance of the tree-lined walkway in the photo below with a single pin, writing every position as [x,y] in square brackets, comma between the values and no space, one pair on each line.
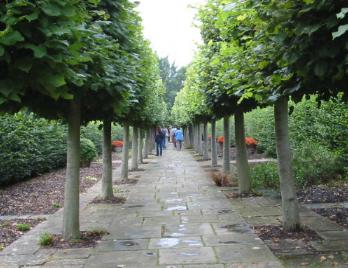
[173,217]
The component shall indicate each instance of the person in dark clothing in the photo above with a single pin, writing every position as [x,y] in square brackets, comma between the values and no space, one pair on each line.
[159,137]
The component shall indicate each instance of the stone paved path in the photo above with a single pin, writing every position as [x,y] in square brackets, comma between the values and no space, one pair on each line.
[174,217]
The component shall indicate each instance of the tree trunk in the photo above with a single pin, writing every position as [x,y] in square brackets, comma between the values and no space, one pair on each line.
[140,146]
[200,145]
[146,145]
[186,138]
[205,135]
[291,218]
[191,136]
[107,193]
[71,220]
[152,140]
[226,149]
[195,146]
[243,170]
[134,164]
[125,153]
[214,160]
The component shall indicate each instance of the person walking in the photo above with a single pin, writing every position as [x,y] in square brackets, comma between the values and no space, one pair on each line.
[172,134]
[159,137]
[179,137]
[165,133]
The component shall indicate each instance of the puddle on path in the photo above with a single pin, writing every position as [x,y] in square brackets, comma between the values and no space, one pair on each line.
[225,211]
[189,254]
[174,200]
[129,243]
[178,208]
[135,206]
[168,242]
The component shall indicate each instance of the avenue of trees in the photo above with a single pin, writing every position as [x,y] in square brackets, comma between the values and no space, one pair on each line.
[80,61]
[260,54]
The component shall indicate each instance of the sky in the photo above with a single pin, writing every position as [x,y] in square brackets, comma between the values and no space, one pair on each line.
[168,24]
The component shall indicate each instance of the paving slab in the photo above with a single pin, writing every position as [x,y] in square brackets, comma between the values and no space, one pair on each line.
[199,255]
[174,217]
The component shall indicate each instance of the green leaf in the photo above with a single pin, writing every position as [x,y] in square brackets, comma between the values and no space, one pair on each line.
[320,68]
[51,9]
[15,97]
[341,30]
[57,80]
[52,81]
[2,100]
[24,65]
[39,51]
[31,17]
[9,37]
[2,51]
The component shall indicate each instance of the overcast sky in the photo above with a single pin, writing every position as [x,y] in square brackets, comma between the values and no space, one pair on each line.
[168,24]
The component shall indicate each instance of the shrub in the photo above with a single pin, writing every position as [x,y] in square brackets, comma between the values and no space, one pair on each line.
[313,164]
[265,175]
[117,143]
[88,151]
[94,133]
[23,227]
[46,239]
[29,146]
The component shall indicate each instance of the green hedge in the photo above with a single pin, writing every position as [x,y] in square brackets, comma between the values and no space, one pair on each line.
[30,145]
[318,137]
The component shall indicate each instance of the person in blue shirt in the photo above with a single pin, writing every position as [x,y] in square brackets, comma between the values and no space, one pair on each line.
[159,137]
[179,137]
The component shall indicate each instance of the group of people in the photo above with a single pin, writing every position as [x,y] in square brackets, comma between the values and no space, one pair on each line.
[163,135]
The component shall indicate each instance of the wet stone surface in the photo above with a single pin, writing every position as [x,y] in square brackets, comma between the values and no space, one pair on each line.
[173,217]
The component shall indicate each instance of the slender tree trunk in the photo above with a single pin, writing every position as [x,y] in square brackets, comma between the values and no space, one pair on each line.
[200,145]
[107,162]
[146,145]
[140,146]
[71,220]
[125,153]
[187,138]
[134,164]
[226,149]
[291,218]
[195,138]
[205,135]
[152,140]
[191,136]
[214,160]
[243,170]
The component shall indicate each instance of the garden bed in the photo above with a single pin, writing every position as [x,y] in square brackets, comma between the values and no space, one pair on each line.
[45,194]
[338,215]
[10,229]
[87,239]
[323,194]
[287,243]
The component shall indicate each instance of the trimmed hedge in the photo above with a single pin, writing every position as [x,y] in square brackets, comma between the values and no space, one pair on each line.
[30,146]
[318,137]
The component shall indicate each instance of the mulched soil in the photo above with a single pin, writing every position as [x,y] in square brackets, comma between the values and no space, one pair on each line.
[87,240]
[234,195]
[9,232]
[114,200]
[339,215]
[251,154]
[128,181]
[282,242]
[323,194]
[45,194]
